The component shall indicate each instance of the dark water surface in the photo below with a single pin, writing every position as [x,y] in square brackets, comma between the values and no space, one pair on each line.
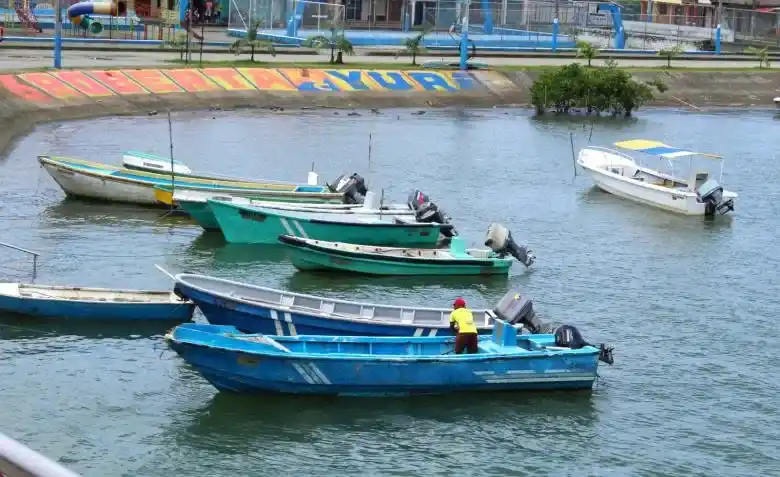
[690,304]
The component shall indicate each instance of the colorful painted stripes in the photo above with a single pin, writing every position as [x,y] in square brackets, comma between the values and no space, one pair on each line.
[71,85]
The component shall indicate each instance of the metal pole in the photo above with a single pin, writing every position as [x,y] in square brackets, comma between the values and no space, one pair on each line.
[57,34]
[464,38]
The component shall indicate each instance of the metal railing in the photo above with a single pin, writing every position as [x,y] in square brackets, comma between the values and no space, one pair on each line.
[35,256]
[18,460]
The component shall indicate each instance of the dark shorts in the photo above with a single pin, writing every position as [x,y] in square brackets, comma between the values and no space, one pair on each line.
[467,341]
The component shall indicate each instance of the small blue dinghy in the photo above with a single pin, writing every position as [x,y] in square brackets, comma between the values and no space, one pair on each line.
[80,303]
[382,366]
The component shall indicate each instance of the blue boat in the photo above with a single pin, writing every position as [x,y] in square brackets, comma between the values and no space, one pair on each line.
[254,309]
[382,366]
[47,301]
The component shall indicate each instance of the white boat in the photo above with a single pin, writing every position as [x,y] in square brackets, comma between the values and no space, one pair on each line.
[621,175]
[777,102]
[48,301]
[138,180]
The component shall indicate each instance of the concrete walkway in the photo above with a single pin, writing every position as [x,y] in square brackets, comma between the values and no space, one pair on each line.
[17,59]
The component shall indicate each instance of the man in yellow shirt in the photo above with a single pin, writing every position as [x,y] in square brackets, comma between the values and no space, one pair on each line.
[462,321]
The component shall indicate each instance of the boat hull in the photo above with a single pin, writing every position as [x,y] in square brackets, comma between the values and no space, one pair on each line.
[244,225]
[238,366]
[89,310]
[85,179]
[314,259]
[201,213]
[274,319]
[646,194]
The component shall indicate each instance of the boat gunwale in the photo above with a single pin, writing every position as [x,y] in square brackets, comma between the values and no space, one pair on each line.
[493,355]
[172,298]
[341,317]
[180,183]
[302,244]
[277,214]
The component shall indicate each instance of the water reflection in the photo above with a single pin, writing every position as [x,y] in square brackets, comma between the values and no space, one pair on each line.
[19,328]
[240,423]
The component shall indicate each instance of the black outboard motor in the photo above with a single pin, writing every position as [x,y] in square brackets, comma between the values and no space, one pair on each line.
[516,309]
[711,193]
[499,239]
[352,186]
[568,336]
[428,212]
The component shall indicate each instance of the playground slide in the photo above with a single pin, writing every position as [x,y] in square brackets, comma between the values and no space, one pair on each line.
[79,13]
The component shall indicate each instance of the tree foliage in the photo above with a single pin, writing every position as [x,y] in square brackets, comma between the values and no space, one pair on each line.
[670,53]
[586,50]
[762,54]
[337,42]
[414,45]
[253,43]
[574,87]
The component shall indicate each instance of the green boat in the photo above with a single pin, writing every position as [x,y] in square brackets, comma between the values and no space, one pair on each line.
[311,254]
[195,203]
[262,225]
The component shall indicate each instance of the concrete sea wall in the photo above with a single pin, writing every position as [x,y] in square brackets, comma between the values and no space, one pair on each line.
[28,98]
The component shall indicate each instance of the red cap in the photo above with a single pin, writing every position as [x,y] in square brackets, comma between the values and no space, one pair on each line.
[459,303]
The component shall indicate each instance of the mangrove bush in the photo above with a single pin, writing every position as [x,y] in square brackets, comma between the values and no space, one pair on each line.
[574,87]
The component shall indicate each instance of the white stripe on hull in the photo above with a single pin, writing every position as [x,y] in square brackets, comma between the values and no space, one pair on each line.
[300,229]
[286,226]
[277,323]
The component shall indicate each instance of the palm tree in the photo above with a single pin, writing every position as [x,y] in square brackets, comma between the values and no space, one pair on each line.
[338,44]
[414,45]
[253,43]
[177,42]
[762,54]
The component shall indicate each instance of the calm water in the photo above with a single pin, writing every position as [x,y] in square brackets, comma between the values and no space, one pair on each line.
[691,305]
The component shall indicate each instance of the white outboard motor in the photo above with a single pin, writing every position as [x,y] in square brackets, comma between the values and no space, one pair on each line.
[499,239]
[711,193]
[352,186]
[428,212]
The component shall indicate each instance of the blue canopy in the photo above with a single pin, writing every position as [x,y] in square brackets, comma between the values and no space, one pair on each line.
[658,148]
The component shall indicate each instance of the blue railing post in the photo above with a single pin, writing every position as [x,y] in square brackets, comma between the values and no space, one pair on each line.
[555,35]
[57,34]
[487,14]
[717,39]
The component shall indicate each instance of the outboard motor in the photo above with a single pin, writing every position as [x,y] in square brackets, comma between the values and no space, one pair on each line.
[428,212]
[353,187]
[516,309]
[711,193]
[568,336]
[499,239]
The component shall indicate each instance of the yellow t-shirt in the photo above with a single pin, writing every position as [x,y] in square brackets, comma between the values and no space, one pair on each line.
[464,319]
